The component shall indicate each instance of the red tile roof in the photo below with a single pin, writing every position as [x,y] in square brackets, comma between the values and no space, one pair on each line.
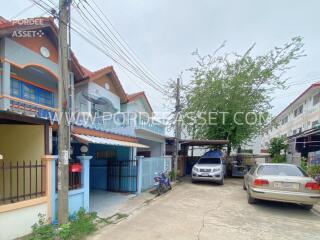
[7,27]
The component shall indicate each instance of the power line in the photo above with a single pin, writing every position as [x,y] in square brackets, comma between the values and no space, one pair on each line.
[131,52]
[115,47]
[107,53]
[23,11]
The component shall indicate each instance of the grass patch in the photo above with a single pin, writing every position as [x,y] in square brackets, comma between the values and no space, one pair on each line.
[80,225]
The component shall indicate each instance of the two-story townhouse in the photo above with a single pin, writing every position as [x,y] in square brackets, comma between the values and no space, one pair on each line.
[29,80]
[114,166]
[298,119]
[147,129]
[28,92]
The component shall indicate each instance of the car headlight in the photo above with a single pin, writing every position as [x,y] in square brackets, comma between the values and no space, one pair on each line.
[216,169]
[195,169]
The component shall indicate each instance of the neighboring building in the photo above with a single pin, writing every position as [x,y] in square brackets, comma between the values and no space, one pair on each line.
[297,119]
[28,140]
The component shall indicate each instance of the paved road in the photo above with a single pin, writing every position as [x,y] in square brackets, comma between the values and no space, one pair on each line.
[207,211]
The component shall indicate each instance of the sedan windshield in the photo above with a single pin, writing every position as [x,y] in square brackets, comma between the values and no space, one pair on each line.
[281,170]
[209,161]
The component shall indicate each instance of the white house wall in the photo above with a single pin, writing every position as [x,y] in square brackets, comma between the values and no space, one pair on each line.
[96,89]
[137,106]
[18,222]
[297,124]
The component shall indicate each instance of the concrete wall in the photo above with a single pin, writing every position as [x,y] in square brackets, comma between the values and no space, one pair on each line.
[156,148]
[18,222]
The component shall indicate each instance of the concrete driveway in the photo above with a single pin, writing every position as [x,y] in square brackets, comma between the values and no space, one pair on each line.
[207,211]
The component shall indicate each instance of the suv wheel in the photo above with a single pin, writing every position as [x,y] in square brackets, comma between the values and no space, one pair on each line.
[221,182]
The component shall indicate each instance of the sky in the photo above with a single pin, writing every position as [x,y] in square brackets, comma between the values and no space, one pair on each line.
[164,33]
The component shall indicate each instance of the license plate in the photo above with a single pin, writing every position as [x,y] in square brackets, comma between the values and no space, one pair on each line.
[286,185]
[205,174]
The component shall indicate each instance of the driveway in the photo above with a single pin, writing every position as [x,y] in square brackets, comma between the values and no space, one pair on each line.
[207,211]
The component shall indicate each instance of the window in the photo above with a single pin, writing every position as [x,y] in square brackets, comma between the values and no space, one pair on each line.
[316,99]
[298,111]
[29,92]
[284,120]
[209,161]
[15,88]
[45,98]
[280,170]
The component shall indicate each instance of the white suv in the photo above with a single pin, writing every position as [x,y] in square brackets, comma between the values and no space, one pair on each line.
[209,169]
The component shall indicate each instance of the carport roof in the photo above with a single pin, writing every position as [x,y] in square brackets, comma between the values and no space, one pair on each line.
[86,139]
[203,142]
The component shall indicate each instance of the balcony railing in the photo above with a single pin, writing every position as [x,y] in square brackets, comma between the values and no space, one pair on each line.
[151,125]
[29,108]
[120,123]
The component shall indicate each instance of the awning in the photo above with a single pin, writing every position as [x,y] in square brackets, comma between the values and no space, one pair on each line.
[86,139]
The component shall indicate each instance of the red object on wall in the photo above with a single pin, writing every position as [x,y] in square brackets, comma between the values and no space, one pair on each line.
[75,167]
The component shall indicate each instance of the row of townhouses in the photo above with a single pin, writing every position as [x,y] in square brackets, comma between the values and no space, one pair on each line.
[118,152]
[298,123]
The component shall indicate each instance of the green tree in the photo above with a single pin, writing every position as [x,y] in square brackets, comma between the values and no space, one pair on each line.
[276,145]
[229,96]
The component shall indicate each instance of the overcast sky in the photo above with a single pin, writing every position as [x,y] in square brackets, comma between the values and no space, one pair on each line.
[163,34]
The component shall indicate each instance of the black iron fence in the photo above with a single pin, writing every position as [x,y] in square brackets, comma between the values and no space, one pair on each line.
[21,181]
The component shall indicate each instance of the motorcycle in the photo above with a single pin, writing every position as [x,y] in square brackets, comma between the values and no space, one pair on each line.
[162,183]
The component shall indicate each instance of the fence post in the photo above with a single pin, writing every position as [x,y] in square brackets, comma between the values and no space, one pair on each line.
[50,162]
[139,180]
[85,180]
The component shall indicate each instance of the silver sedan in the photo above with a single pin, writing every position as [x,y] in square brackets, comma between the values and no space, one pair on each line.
[281,182]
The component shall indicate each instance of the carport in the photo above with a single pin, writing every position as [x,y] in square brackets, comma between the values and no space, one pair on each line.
[192,150]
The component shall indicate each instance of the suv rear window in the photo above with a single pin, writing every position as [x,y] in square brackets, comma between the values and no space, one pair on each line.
[281,170]
[209,161]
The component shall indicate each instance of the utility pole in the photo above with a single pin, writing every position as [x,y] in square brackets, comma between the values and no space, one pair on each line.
[177,126]
[64,105]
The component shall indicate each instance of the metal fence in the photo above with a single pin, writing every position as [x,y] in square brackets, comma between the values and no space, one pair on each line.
[21,181]
[151,167]
[122,175]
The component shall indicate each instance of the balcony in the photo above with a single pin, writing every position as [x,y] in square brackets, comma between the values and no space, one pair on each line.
[121,123]
[29,108]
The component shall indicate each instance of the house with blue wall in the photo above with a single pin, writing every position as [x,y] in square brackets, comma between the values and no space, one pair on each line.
[104,149]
